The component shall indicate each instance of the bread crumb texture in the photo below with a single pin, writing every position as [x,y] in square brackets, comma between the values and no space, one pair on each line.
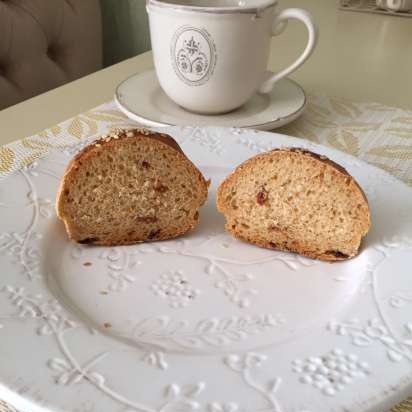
[130,186]
[295,200]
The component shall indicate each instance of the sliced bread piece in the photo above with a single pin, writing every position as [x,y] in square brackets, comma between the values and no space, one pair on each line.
[295,200]
[130,186]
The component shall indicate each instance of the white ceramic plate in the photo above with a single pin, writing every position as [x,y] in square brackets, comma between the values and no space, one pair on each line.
[141,98]
[205,322]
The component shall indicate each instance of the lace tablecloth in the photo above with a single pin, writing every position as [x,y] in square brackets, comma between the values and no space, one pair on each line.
[378,134]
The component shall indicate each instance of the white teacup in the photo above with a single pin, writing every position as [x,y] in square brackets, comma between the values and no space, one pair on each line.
[396,5]
[211,56]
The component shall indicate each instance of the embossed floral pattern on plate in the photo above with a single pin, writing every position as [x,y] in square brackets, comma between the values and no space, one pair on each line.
[206,322]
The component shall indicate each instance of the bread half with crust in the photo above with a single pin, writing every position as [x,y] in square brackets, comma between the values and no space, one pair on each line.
[130,186]
[295,200]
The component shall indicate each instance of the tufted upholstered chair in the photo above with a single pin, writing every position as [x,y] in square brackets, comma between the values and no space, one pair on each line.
[46,43]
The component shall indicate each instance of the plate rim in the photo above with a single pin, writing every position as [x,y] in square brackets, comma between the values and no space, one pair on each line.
[396,395]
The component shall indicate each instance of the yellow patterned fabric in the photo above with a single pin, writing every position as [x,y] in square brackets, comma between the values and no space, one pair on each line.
[378,134]
[97,121]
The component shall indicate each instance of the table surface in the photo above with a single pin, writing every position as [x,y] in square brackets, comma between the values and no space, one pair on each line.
[360,56]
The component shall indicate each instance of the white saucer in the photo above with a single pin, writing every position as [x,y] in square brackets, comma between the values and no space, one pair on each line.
[141,98]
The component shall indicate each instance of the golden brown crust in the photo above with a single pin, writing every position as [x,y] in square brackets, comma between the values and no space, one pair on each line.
[316,156]
[328,161]
[288,244]
[328,257]
[108,142]
[117,134]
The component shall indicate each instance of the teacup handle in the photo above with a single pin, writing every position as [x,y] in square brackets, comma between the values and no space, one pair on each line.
[279,25]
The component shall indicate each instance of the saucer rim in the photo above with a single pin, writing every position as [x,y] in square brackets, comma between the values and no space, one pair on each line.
[267,126]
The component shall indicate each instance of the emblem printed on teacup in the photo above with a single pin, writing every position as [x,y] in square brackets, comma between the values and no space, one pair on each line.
[193,54]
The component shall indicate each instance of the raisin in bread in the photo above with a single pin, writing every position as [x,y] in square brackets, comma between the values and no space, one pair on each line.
[128,187]
[295,200]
